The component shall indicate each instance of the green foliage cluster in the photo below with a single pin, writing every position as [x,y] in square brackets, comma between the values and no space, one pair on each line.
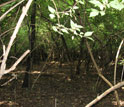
[102,18]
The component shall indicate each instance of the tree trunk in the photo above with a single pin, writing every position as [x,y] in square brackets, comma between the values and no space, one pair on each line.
[66,48]
[80,58]
[26,82]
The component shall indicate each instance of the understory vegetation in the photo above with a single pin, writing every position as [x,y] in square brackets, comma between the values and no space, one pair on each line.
[67,52]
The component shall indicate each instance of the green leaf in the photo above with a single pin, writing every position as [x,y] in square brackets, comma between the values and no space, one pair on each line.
[105,1]
[97,3]
[72,37]
[79,26]
[52,16]
[75,7]
[102,13]
[81,2]
[75,26]
[66,13]
[87,34]
[75,32]
[94,13]
[81,34]
[52,10]
[64,30]
[72,24]
[116,5]
[54,28]
[90,38]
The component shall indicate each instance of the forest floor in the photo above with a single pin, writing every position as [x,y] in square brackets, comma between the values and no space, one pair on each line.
[54,88]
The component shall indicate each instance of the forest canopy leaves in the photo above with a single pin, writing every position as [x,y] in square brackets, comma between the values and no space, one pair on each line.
[116,5]
[97,4]
[94,13]
[52,10]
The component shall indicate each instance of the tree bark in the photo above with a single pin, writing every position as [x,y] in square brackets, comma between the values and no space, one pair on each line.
[26,82]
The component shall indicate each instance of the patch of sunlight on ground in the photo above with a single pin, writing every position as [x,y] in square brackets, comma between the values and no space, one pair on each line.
[8,103]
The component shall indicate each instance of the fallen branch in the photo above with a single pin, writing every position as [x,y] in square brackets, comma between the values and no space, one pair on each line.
[98,98]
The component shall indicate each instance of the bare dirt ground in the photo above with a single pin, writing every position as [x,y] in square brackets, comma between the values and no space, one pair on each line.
[54,88]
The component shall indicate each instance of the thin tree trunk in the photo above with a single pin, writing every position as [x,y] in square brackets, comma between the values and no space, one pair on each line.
[26,82]
[66,48]
[80,58]
[82,22]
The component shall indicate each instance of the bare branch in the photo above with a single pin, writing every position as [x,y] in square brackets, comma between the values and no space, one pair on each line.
[14,77]
[116,60]
[7,3]
[17,62]
[100,74]
[6,32]
[98,98]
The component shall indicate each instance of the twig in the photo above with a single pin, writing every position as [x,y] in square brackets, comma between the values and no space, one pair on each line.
[55,102]
[6,32]
[98,98]
[17,62]
[116,60]
[96,66]
[7,3]
[14,77]
[122,73]
[10,10]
